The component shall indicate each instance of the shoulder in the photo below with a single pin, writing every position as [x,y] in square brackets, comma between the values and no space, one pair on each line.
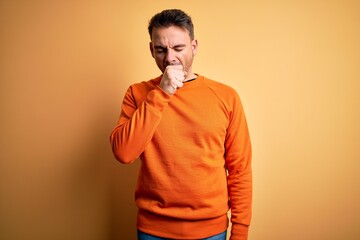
[224,92]
[228,96]
[141,89]
[146,85]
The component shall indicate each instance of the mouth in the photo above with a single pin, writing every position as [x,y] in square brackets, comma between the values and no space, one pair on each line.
[171,64]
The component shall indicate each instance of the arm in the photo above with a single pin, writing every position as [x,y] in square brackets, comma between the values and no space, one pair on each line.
[137,124]
[238,162]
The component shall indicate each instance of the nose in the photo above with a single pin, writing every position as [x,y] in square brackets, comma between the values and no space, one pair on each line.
[170,58]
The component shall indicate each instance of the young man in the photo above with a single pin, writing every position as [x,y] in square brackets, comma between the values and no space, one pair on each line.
[192,138]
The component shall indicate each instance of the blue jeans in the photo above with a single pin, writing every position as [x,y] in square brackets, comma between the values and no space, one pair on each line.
[144,236]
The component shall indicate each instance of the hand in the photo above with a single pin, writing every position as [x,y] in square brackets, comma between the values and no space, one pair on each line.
[172,78]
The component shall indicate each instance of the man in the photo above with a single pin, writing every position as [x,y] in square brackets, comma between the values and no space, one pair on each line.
[192,138]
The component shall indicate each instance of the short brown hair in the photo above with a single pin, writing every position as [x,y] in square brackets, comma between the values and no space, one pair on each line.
[172,17]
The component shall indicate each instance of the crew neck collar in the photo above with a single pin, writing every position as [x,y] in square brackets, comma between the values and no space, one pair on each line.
[191,83]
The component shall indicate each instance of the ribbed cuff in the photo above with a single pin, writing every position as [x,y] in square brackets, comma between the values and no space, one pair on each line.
[239,232]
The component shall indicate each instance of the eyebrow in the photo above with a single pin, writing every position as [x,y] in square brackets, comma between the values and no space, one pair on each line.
[176,46]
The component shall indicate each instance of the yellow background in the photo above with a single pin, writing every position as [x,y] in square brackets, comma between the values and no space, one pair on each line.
[65,65]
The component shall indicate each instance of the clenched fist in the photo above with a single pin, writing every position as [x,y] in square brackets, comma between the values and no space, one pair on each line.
[172,78]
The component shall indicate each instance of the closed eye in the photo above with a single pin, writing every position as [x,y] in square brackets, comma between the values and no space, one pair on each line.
[160,49]
[178,49]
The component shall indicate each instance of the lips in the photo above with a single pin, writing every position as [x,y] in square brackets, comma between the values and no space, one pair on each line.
[172,64]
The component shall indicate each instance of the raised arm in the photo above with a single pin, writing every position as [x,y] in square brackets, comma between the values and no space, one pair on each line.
[137,124]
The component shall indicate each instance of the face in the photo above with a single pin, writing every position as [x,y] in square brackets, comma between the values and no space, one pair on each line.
[172,46]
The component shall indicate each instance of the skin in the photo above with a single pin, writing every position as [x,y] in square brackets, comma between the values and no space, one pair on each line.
[173,51]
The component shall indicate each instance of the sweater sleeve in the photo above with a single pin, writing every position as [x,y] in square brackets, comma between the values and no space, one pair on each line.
[238,162]
[137,124]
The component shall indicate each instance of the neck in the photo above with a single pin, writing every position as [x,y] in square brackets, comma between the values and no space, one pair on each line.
[190,76]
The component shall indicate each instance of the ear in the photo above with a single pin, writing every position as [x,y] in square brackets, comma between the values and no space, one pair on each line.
[151,49]
[194,46]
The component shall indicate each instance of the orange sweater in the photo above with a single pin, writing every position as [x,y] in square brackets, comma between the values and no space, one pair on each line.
[186,142]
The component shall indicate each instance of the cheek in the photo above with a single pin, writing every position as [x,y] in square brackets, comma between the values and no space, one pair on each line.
[187,58]
[158,59]
[159,62]
[184,57]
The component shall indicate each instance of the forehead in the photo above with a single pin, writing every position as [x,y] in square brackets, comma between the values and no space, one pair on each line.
[171,34]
